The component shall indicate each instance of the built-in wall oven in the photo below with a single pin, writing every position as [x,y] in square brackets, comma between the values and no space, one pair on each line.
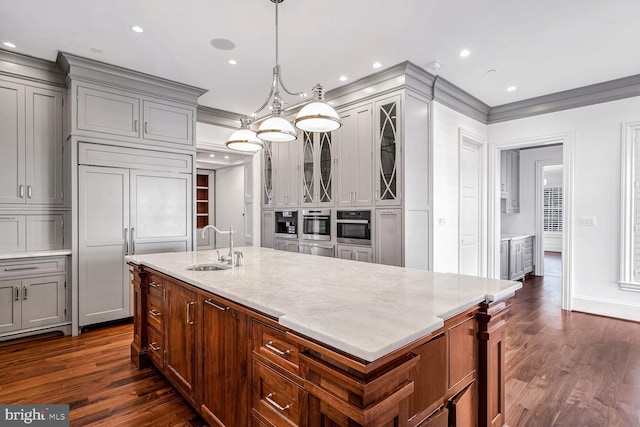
[353,227]
[316,224]
[286,224]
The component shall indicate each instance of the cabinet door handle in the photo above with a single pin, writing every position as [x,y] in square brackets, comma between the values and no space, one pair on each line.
[213,304]
[377,194]
[21,191]
[146,127]
[7,217]
[276,350]
[24,293]
[20,268]
[135,125]
[126,241]
[154,346]
[29,191]
[154,284]
[17,293]
[356,254]
[133,241]
[189,320]
[275,404]
[154,313]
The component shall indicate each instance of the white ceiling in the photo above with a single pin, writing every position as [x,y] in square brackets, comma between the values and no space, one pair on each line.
[541,46]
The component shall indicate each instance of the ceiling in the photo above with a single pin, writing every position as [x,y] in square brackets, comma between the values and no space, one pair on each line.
[540,47]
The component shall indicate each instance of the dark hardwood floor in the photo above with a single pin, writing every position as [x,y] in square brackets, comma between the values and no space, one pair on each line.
[563,369]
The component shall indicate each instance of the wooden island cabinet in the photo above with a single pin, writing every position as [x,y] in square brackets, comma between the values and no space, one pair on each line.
[239,367]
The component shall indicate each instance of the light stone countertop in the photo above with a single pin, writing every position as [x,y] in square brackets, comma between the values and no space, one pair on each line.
[20,255]
[515,236]
[366,310]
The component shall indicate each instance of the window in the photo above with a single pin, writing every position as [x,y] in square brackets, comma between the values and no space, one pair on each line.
[630,197]
[552,209]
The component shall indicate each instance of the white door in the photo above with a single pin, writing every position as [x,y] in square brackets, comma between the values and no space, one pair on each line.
[160,212]
[12,143]
[229,204]
[103,216]
[469,245]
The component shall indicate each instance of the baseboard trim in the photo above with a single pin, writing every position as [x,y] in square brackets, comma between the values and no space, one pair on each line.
[608,308]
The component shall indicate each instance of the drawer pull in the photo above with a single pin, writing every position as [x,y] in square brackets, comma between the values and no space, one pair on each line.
[154,284]
[17,293]
[154,346]
[213,304]
[20,268]
[154,313]
[276,350]
[274,403]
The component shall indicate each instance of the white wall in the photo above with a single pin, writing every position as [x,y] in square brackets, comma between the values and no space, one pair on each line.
[446,129]
[230,204]
[524,222]
[596,190]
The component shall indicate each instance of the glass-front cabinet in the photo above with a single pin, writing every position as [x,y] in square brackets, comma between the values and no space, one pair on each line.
[267,175]
[388,174]
[317,169]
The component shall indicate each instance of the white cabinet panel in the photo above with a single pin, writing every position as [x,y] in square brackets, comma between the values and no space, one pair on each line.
[43,301]
[12,234]
[355,253]
[167,123]
[12,143]
[267,228]
[10,305]
[287,245]
[286,185]
[108,112]
[44,232]
[388,126]
[388,231]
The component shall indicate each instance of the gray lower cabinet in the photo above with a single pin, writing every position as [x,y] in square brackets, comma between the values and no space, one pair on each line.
[516,259]
[355,253]
[31,135]
[388,237]
[267,229]
[527,255]
[287,245]
[121,212]
[504,259]
[33,295]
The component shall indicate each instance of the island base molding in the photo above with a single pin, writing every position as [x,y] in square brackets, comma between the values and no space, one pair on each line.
[238,367]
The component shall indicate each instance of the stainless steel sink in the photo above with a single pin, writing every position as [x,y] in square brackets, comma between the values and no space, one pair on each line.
[207,267]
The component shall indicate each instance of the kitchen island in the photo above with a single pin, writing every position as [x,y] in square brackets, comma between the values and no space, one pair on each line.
[293,339]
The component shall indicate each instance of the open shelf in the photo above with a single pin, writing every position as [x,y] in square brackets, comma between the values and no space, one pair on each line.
[202,200]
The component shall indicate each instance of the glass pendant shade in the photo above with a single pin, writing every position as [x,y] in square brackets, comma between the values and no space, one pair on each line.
[276,129]
[244,140]
[318,117]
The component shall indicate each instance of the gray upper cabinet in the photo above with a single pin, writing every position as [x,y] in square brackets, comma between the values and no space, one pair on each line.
[103,111]
[286,186]
[388,175]
[353,144]
[317,169]
[267,175]
[510,181]
[31,137]
[30,233]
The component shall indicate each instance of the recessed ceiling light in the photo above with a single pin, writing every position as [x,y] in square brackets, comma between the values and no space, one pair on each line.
[233,62]
[511,88]
[9,44]
[137,29]
[212,155]
[343,78]
[377,65]
[226,157]
[464,53]
[223,44]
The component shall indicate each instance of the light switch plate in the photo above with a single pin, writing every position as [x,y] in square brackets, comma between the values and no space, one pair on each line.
[589,221]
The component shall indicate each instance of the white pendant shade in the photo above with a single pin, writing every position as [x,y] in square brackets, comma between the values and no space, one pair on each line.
[244,140]
[276,129]
[318,117]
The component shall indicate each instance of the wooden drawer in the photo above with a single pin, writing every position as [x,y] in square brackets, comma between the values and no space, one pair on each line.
[278,399]
[154,313]
[156,347]
[275,346]
[156,286]
[439,419]
[32,266]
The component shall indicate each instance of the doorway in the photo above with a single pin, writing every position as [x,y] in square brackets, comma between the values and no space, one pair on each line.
[529,218]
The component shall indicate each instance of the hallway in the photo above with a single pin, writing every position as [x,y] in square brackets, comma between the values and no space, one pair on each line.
[567,368]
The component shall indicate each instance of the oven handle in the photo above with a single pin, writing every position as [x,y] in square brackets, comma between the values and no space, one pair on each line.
[352,221]
[315,217]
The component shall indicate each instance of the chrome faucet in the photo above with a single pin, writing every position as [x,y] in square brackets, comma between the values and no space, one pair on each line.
[230,232]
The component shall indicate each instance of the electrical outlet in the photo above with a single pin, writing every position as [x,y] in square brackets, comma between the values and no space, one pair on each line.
[442,222]
[589,221]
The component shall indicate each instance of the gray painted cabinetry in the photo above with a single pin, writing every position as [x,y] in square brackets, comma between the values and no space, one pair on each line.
[355,253]
[510,181]
[516,257]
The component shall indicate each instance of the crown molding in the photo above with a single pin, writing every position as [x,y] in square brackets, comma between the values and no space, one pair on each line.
[217,117]
[21,66]
[80,68]
[612,90]
[459,100]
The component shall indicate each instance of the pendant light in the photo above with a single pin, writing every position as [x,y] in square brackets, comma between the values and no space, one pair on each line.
[318,116]
[244,139]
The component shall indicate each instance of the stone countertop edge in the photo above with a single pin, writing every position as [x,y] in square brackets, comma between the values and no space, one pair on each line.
[36,254]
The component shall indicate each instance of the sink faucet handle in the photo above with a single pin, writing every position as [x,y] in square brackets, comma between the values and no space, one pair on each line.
[239,257]
[218,252]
